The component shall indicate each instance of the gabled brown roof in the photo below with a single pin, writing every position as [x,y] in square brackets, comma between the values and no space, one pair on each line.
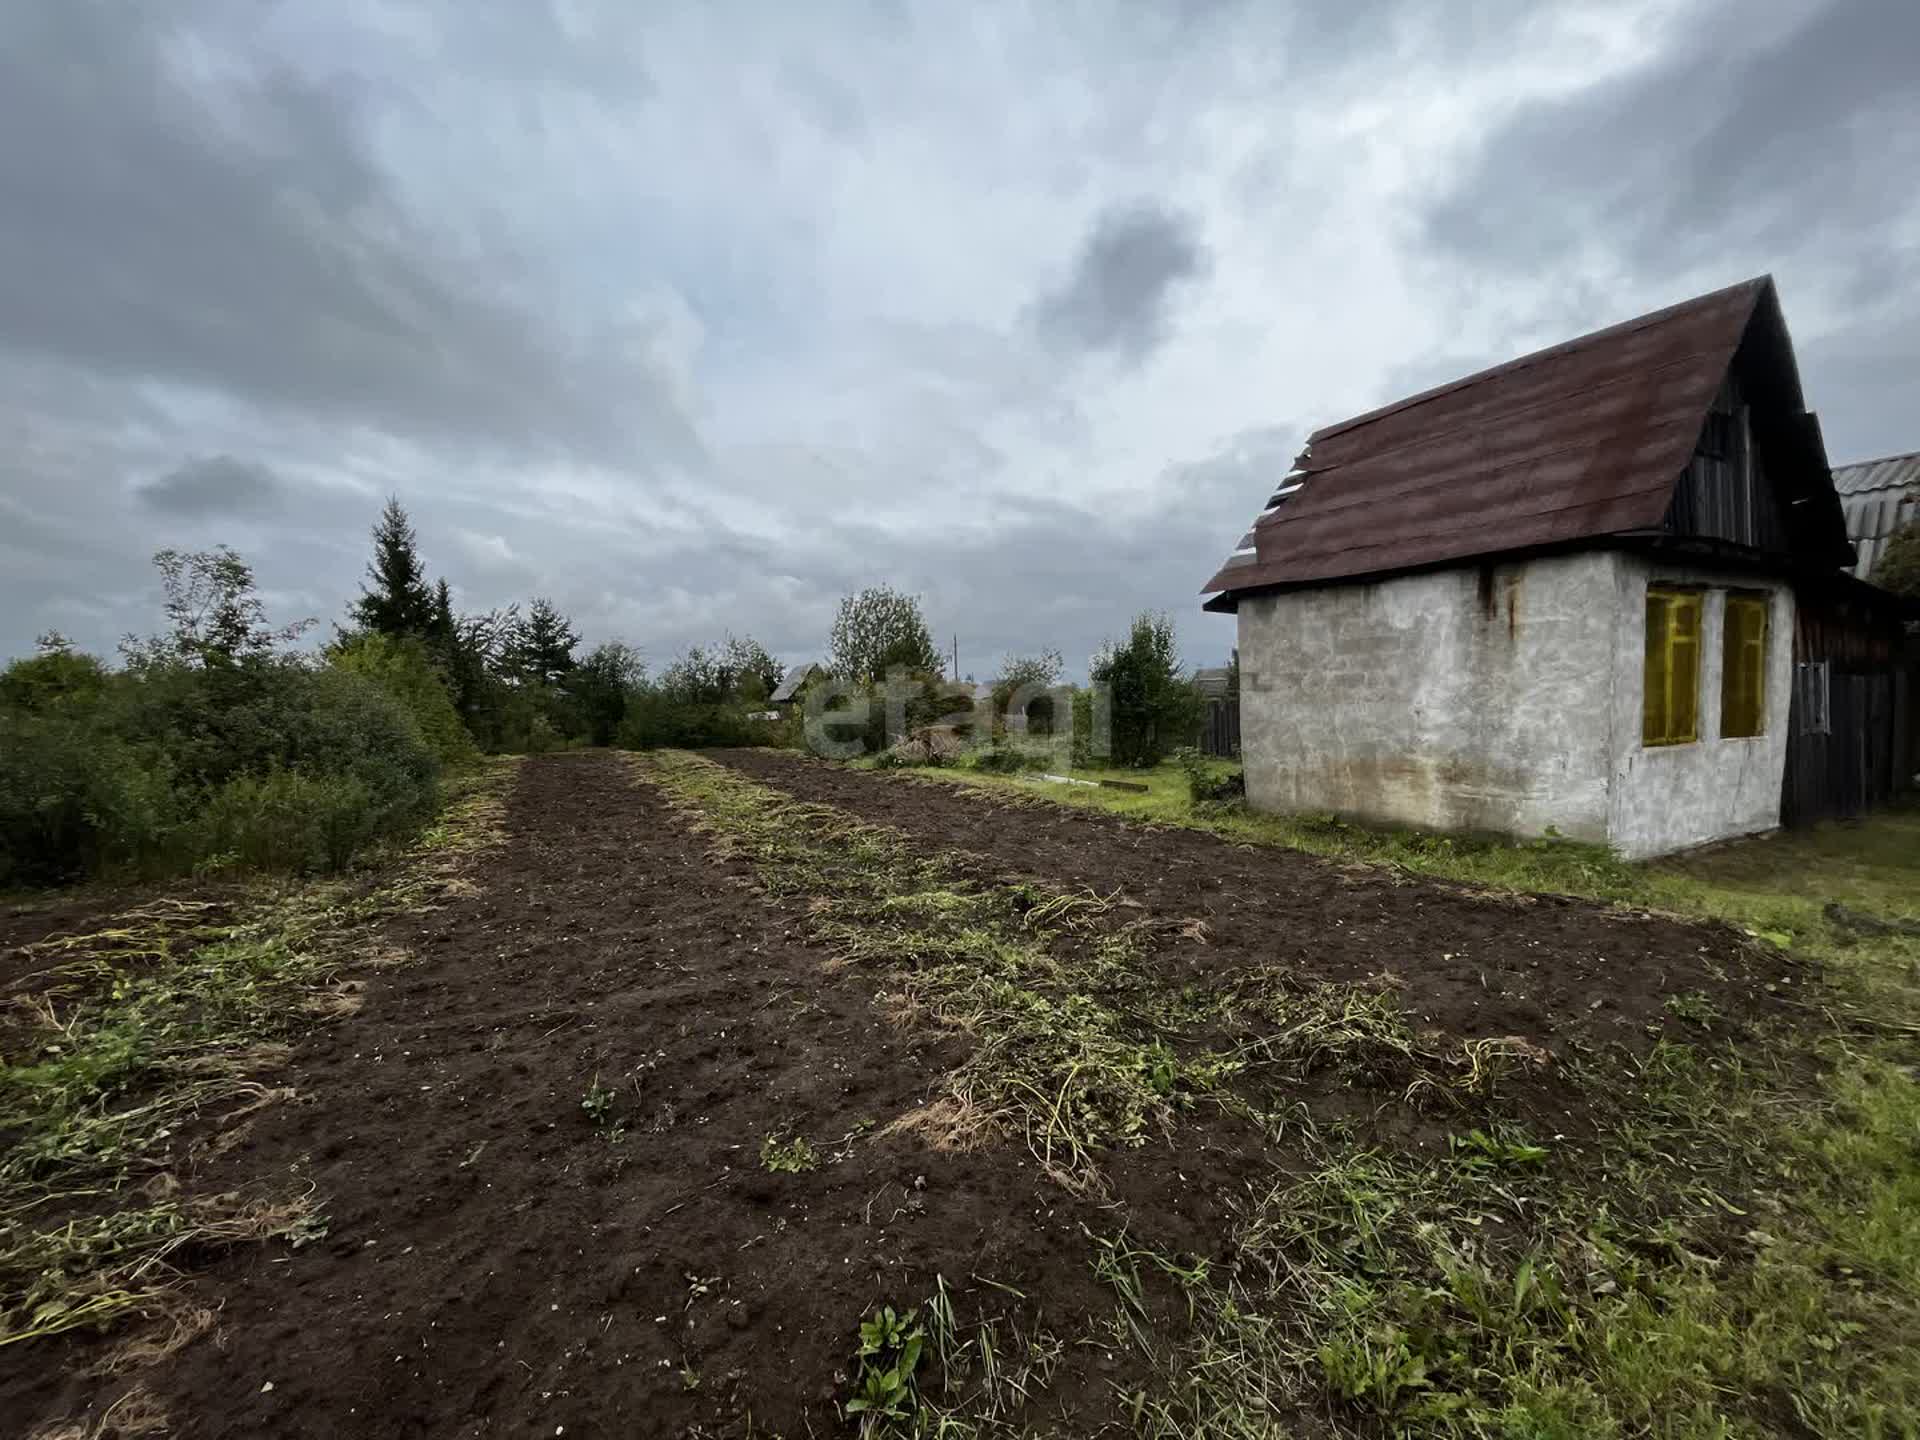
[1582,440]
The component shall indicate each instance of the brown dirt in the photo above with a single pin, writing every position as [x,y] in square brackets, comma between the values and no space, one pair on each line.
[496,1265]
[1566,974]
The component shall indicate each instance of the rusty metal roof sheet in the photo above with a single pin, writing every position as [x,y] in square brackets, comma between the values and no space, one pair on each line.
[1582,440]
[1880,498]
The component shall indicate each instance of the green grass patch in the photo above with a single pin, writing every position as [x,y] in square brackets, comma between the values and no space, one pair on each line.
[789,1155]
[1697,1275]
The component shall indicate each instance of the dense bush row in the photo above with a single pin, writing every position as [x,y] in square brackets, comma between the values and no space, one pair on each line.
[268,762]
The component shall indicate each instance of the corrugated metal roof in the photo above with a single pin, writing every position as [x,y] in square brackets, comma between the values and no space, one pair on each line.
[791,682]
[1584,439]
[1892,472]
[1880,498]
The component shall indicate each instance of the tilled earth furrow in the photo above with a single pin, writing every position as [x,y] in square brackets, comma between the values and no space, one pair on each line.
[1560,972]
[499,1259]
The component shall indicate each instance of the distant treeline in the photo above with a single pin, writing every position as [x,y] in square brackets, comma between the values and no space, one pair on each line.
[223,742]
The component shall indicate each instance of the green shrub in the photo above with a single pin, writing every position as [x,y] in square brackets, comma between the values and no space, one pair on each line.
[285,821]
[1083,739]
[656,718]
[74,799]
[1002,758]
[1206,781]
[1898,568]
[924,700]
[403,668]
[1153,709]
[268,762]
[53,677]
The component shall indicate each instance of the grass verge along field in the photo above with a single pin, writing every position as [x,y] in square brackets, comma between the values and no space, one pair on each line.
[141,1044]
[1727,1250]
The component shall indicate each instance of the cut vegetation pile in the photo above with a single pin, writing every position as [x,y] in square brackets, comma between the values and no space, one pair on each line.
[768,1097]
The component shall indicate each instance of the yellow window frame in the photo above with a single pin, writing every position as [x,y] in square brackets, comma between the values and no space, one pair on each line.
[1670,697]
[1743,667]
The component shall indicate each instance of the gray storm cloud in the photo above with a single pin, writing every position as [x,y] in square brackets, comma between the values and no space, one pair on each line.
[1117,296]
[697,321]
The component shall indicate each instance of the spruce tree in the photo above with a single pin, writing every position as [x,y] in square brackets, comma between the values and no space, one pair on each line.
[441,625]
[542,645]
[396,601]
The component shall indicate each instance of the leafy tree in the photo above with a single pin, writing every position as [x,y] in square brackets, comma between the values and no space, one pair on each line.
[878,629]
[57,673]
[1153,707]
[540,647]
[697,677]
[753,674]
[396,600]
[600,685]
[1029,673]
[740,670]
[1898,568]
[215,616]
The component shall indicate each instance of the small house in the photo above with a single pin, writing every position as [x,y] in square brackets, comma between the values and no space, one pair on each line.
[1213,682]
[1592,592]
[793,685]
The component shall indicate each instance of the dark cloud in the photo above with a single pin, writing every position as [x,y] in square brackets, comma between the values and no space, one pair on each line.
[1746,146]
[693,368]
[237,234]
[1115,298]
[217,485]
[1722,146]
[1861,378]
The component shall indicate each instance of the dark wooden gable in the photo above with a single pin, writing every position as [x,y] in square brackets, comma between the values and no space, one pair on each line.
[1758,478]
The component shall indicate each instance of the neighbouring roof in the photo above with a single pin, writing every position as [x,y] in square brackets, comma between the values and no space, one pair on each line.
[1880,498]
[1213,681]
[791,682]
[1582,440]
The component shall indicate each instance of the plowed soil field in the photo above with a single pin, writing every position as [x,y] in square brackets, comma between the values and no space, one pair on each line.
[555,1150]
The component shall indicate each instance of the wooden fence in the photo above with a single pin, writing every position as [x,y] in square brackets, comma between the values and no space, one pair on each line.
[1220,730]
[1850,743]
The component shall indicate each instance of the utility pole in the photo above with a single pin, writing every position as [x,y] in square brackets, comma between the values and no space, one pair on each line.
[956,654]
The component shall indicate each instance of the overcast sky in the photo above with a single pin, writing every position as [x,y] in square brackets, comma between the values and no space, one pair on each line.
[696,317]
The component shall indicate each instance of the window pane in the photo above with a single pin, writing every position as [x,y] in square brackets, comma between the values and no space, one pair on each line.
[1685,667]
[1671,696]
[1653,710]
[1743,674]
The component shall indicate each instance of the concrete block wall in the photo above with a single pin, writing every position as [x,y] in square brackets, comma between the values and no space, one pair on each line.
[1471,699]
[1669,797]
[1503,697]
